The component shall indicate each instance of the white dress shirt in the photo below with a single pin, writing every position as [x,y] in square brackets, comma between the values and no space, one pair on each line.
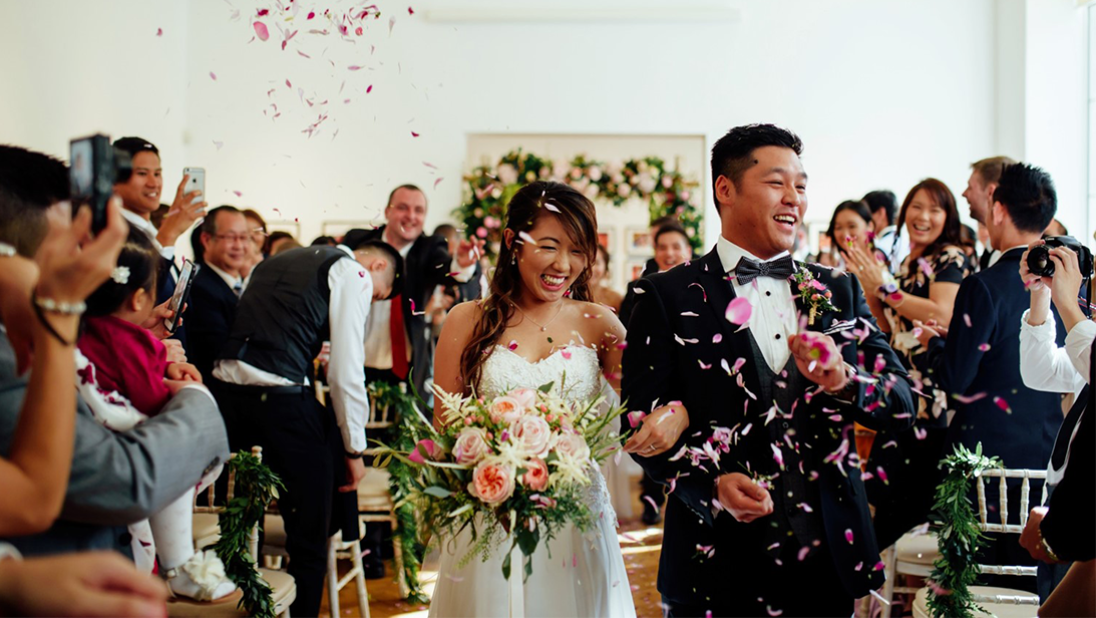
[378,338]
[1046,367]
[146,226]
[348,310]
[773,318]
[230,280]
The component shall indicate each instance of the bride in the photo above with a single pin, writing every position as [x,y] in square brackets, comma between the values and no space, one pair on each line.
[537,326]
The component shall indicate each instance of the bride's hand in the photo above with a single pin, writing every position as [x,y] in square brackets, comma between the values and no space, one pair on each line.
[660,431]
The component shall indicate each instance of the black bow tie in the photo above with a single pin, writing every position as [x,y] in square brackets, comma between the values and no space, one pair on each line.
[748,270]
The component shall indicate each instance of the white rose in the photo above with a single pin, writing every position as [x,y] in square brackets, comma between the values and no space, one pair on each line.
[572,445]
[595,173]
[646,183]
[624,189]
[533,434]
[592,192]
[507,174]
[471,445]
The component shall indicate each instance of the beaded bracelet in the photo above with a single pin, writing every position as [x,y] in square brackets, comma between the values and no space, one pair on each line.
[42,305]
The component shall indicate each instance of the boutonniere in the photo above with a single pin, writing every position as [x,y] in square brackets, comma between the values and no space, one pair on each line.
[813,293]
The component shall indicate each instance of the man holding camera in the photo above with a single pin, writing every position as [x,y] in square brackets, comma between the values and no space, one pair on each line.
[977,357]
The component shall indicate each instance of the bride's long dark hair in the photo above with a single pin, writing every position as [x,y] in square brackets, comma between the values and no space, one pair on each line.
[533,201]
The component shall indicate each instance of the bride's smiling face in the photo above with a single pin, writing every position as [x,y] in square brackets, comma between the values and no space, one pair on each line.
[548,268]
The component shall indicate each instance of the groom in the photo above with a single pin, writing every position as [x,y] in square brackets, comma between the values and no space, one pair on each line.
[767,513]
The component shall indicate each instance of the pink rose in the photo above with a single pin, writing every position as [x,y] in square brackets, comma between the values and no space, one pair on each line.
[573,445]
[526,397]
[506,410]
[536,474]
[533,434]
[428,446]
[471,445]
[491,482]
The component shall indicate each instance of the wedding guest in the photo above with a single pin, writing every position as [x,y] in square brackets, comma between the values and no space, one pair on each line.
[976,359]
[217,286]
[140,195]
[599,281]
[324,240]
[256,226]
[115,478]
[275,240]
[968,241]
[1056,229]
[797,536]
[295,302]
[888,237]
[851,223]
[984,176]
[157,217]
[86,584]
[396,346]
[1046,367]
[285,245]
[928,281]
[34,474]
[671,248]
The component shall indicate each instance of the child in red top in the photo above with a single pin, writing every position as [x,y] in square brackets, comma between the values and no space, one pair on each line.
[124,376]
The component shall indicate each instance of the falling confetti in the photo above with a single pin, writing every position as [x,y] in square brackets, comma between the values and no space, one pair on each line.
[213,76]
[1001,403]
[739,311]
[159,32]
[413,134]
[261,30]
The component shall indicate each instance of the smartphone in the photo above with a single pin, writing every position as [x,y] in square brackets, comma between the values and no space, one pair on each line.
[94,167]
[181,295]
[195,183]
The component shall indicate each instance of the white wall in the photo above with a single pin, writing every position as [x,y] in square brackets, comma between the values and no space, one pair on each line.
[883,93]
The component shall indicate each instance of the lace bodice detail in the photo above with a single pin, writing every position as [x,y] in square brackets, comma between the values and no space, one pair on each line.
[573,368]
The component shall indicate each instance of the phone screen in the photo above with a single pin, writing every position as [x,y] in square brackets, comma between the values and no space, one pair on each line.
[178,299]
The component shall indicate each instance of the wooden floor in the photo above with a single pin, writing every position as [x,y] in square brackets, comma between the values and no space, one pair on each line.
[641,546]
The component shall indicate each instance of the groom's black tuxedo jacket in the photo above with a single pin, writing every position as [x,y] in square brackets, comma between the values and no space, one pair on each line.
[687,304]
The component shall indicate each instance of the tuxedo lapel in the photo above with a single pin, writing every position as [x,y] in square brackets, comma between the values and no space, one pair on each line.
[736,340]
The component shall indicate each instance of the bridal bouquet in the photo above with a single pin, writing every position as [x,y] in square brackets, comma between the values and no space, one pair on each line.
[511,469]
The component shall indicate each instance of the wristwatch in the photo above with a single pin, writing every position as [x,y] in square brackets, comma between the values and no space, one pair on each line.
[1047,549]
[350,455]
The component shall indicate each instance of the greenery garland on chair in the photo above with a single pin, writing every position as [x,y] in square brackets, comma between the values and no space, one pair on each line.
[667,191]
[255,487]
[960,538]
[407,433]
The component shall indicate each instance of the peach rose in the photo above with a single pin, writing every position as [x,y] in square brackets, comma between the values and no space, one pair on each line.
[536,474]
[506,410]
[471,445]
[526,397]
[573,445]
[533,434]
[492,482]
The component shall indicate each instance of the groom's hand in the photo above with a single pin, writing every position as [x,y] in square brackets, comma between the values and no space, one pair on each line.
[818,359]
[743,498]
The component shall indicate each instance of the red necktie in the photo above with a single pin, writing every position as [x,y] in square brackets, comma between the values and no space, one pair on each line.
[399,339]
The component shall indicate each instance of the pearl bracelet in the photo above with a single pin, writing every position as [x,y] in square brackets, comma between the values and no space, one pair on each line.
[63,308]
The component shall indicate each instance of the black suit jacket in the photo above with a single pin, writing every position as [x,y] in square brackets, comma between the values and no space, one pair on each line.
[1067,526]
[659,368]
[427,265]
[1010,420]
[209,319]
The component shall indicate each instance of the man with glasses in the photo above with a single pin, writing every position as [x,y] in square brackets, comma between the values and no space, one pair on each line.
[217,286]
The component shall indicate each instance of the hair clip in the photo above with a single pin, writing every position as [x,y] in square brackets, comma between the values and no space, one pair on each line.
[120,275]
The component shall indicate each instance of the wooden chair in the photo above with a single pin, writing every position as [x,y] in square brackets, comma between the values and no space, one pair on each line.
[1001,602]
[283,588]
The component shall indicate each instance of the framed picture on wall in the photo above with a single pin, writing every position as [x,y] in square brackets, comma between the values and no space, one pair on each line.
[639,241]
[634,269]
[605,238]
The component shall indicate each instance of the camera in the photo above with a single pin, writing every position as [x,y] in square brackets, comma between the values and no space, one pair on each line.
[1039,262]
[95,166]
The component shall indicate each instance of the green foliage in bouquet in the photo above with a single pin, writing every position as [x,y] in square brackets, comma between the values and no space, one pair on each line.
[529,498]
[960,538]
[255,487]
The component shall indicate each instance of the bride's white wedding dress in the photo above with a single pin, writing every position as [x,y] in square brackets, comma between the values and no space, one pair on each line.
[576,574]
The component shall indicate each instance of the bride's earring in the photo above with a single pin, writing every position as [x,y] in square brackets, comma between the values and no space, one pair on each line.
[514,259]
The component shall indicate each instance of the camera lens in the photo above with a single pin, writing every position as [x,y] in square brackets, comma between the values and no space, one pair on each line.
[1039,263]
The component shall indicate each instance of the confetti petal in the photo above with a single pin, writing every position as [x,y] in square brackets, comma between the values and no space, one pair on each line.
[261,30]
[159,32]
[213,76]
[739,310]
[1001,403]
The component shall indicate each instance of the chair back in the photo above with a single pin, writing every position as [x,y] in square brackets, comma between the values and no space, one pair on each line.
[1003,475]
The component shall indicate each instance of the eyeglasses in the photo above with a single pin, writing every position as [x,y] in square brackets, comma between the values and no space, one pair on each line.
[231,238]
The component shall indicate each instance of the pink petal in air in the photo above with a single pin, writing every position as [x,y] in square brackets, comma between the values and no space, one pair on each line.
[159,32]
[848,535]
[1001,403]
[739,310]
[213,76]
[261,31]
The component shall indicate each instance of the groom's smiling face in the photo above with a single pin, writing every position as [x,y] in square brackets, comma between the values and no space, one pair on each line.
[763,210]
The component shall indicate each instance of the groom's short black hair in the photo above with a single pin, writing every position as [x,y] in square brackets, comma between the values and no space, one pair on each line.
[732,154]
